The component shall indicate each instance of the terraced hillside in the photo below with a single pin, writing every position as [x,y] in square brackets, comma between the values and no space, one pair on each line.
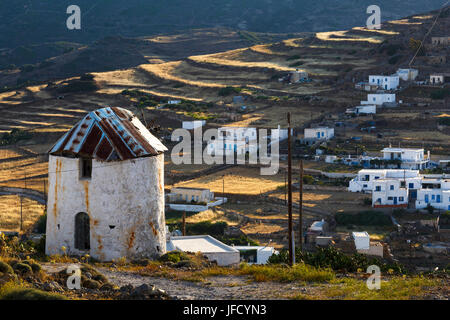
[333,60]
[327,56]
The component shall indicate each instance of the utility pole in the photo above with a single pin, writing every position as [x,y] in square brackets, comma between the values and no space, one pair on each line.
[184,223]
[291,239]
[21,216]
[223,188]
[45,195]
[300,208]
[285,188]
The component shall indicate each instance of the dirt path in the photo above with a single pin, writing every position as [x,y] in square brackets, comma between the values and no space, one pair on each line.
[215,288]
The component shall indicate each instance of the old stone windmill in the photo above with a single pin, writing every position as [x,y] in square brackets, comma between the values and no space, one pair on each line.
[106,189]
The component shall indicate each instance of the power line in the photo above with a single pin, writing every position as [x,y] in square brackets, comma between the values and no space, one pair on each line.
[429,31]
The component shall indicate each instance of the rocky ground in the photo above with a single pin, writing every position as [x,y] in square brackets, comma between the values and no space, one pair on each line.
[215,288]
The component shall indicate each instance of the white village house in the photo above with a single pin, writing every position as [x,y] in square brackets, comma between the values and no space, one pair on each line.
[318,134]
[191,125]
[358,110]
[439,78]
[255,254]
[385,82]
[403,188]
[409,158]
[364,181]
[192,199]
[233,140]
[379,99]
[106,189]
[210,247]
[407,74]
[435,191]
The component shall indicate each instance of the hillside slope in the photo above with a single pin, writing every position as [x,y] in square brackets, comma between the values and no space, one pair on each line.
[26,22]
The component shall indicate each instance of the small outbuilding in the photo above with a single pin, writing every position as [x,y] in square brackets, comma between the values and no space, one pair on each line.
[362,240]
[210,247]
[255,254]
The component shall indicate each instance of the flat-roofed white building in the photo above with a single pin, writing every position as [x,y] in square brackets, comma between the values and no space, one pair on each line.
[233,140]
[190,125]
[183,194]
[255,254]
[407,74]
[212,248]
[363,182]
[435,192]
[362,240]
[389,193]
[385,82]
[439,78]
[403,188]
[379,98]
[366,109]
[319,133]
[410,158]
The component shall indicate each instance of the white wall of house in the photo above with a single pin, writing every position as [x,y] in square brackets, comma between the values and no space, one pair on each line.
[191,195]
[321,133]
[363,182]
[190,125]
[436,78]
[411,158]
[238,133]
[385,82]
[262,253]
[407,74]
[389,192]
[379,98]
[437,198]
[368,109]
[212,248]
[124,201]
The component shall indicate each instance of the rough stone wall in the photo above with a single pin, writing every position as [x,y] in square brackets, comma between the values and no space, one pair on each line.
[125,203]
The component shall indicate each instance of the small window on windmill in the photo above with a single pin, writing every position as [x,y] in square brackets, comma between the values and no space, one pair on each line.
[86,169]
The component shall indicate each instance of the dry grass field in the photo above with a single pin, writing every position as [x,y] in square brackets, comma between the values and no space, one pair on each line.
[237,180]
[28,173]
[10,213]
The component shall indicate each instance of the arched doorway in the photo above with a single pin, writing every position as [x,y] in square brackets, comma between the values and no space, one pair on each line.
[82,231]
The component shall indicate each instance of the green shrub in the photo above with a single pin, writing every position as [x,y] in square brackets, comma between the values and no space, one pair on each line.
[299,272]
[91,284]
[35,267]
[365,218]
[14,136]
[29,294]
[439,95]
[41,224]
[174,256]
[229,90]
[206,227]
[5,268]
[241,241]
[307,179]
[22,268]
[331,257]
